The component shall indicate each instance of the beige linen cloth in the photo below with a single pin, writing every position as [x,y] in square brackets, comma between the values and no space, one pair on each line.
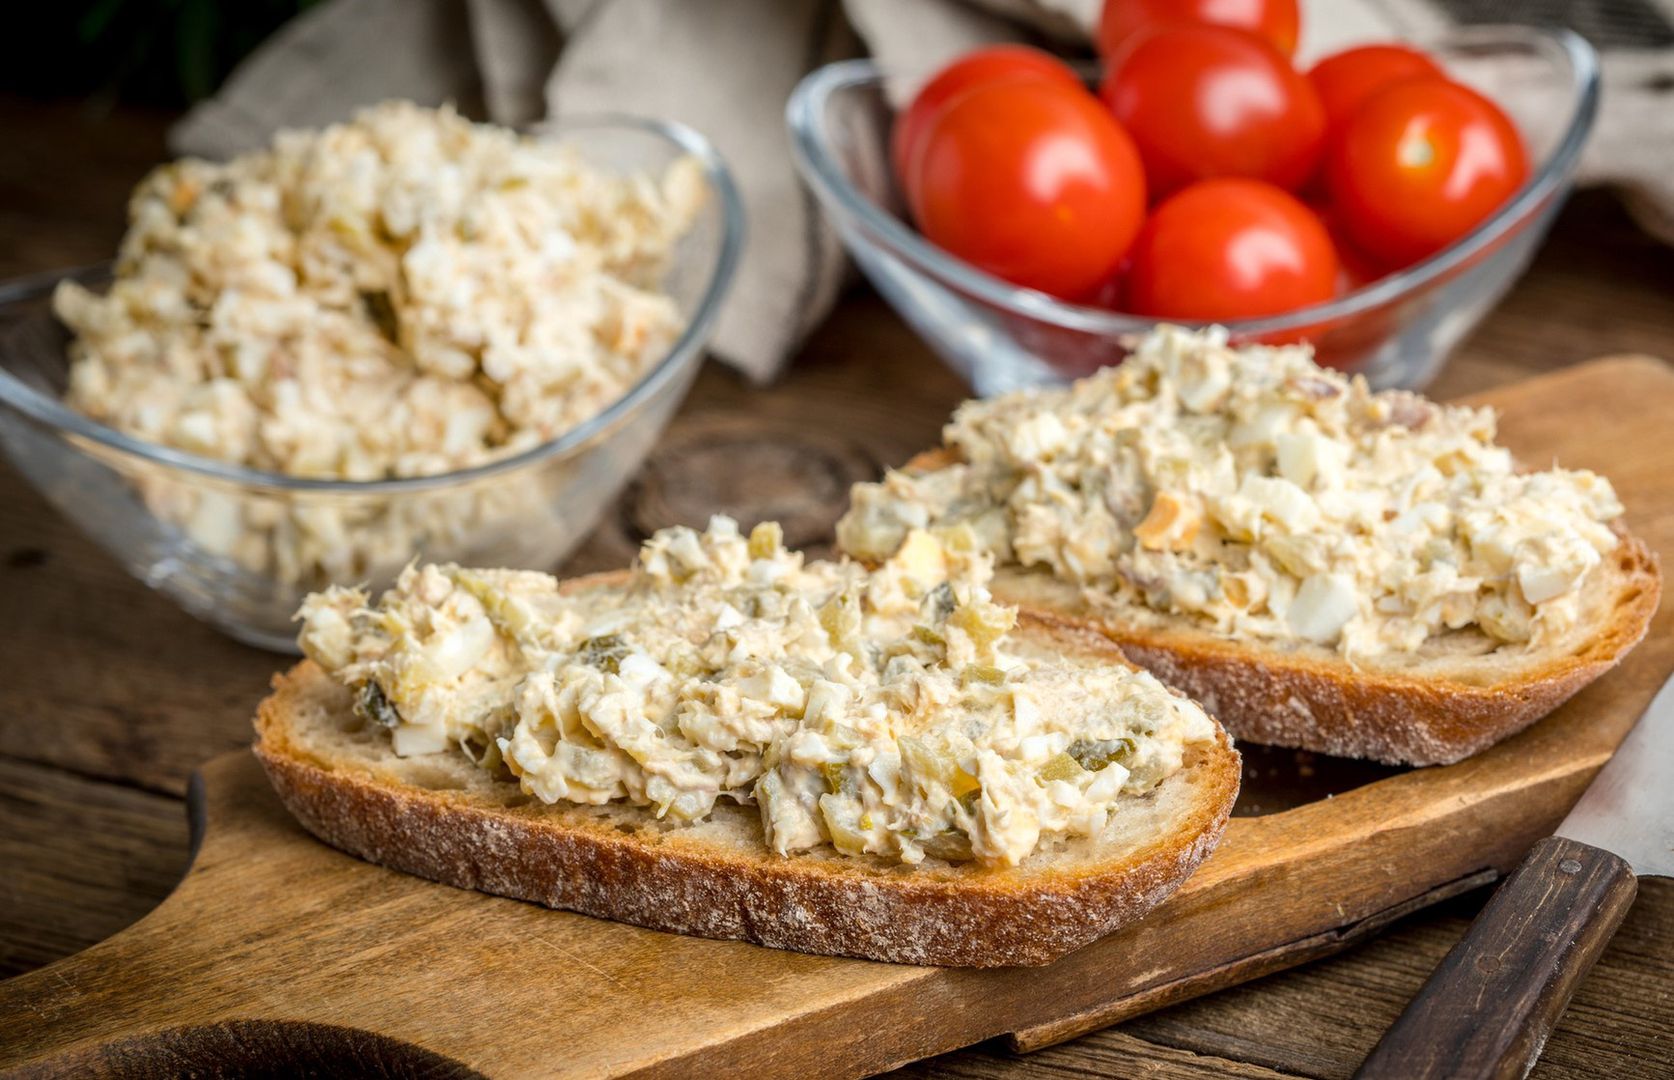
[726,67]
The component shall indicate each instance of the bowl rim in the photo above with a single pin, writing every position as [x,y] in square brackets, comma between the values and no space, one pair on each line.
[53,413]
[805,115]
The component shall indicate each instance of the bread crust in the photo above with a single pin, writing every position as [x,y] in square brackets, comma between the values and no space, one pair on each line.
[1315,700]
[591,861]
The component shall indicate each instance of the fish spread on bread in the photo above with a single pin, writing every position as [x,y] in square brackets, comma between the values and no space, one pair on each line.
[1259,495]
[880,711]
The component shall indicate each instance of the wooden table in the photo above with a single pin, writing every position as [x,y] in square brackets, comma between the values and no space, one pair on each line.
[109,696]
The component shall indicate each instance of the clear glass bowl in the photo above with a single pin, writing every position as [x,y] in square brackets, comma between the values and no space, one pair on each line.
[1397,331]
[220,540]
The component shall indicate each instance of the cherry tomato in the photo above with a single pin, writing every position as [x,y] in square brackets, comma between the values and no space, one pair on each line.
[1276,20]
[1230,249]
[1032,182]
[1358,268]
[1420,164]
[1203,101]
[1355,268]
[1346,79]
[1345,342]
[997,62]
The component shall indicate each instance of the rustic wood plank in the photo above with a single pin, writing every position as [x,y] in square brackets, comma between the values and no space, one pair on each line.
[1621,1022]
[82,860]
[101,675]
[1598,286]
[270,924]
[1245,968]
[1489,1006]
[1322,1020]
[1115,1054]
[1319,1020]
[148,598]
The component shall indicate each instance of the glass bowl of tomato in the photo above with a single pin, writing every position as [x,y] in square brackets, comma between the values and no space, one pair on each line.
[1397,330]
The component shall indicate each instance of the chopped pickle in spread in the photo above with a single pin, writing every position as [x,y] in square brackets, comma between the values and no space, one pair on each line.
[882,712]
[1261,495]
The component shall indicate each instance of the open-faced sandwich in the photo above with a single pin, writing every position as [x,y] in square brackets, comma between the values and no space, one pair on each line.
[732,742]
[1358,573]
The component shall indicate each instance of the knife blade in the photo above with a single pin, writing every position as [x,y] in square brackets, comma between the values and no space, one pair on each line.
[1488,1007]
[1629,807]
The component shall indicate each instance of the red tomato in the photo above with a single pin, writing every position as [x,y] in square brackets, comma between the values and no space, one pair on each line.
[1203,101]
[1276,20]
[1347,341]
[997,62]
[1230,249]
[1032,182]
[1420,164]
[1356,269]
[1345,80]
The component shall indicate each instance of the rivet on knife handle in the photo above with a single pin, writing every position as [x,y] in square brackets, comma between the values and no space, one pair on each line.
[1487,1009]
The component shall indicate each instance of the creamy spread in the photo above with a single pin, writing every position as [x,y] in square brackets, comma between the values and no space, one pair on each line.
[1259,494]
[883,712]
[401,295]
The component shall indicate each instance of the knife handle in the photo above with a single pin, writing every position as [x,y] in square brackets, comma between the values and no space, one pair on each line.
[1488,1007]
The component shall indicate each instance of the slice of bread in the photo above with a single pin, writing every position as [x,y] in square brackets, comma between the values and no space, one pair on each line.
[1459,694]
[441,817]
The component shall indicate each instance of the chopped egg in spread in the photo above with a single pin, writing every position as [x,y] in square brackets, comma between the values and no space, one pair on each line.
[883,712]
[1258,494]
[405,294]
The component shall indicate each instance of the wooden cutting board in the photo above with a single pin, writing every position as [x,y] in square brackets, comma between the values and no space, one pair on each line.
[278,950]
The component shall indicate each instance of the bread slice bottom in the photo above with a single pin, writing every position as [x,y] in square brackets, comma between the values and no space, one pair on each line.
[442,818]
[1459,694]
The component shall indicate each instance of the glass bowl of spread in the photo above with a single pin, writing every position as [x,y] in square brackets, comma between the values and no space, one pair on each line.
[1397,331]
[240,545]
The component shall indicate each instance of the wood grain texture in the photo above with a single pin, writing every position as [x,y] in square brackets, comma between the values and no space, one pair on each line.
[270,924]
[1487,1011]
[1115,1055]
[1252,965]
[104,686]
[1323,1019]
[79,856]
